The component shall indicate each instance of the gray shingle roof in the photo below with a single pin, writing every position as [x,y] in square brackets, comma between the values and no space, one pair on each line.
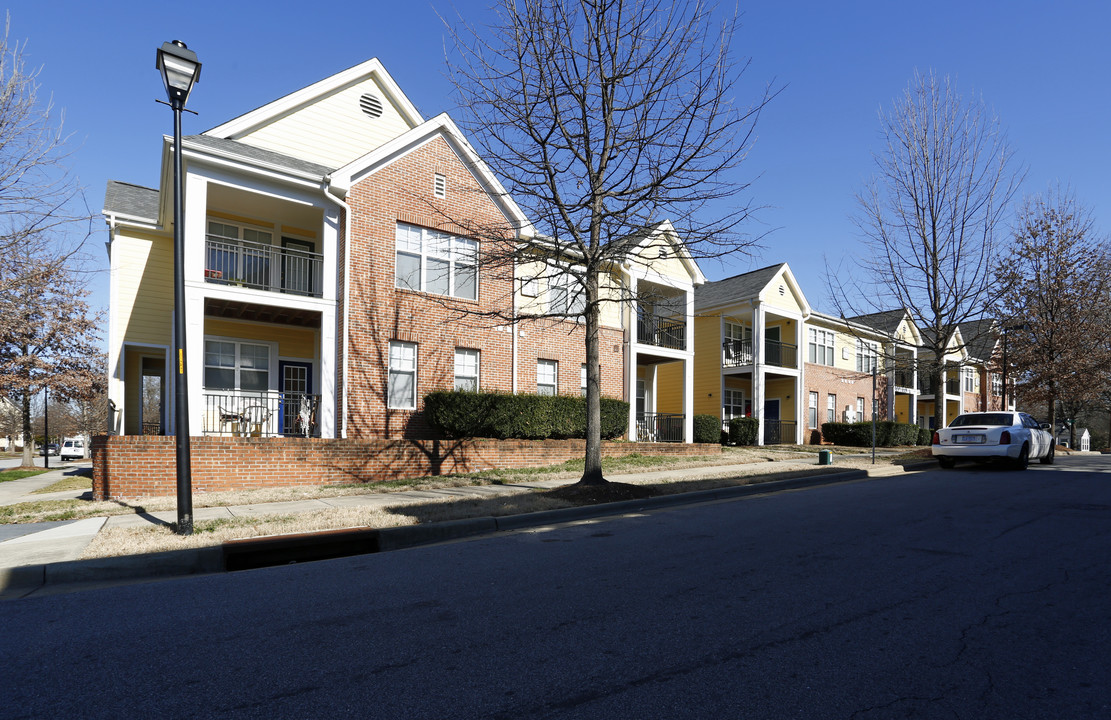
[254,154]
[734,289]
[980,337]
[133,201]
[886,321]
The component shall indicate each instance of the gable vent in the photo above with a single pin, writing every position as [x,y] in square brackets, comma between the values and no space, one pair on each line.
[782,290]
[371,105]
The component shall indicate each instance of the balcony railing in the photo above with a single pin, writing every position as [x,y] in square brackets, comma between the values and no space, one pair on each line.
[952,387]
[736,353]
[904,378]
[660,427]
[779,432]
[263,267]
[662,333]
[269,414]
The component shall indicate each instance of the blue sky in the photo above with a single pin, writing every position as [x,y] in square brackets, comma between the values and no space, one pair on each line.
[1043,67]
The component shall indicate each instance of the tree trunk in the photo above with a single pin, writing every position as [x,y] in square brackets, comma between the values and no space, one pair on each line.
[592,469]
[937,379]
[28,438]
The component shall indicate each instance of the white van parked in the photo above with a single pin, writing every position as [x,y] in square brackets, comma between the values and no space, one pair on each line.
[73,449]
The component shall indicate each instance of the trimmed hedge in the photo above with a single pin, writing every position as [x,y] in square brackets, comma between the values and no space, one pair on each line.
[707,429]
[742,431]
[888,433]
[925,437]
[459,414]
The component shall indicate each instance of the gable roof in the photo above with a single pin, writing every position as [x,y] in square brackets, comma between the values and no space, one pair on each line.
[133,202]
[981,337]
[886,321]
[235,150]
[647,236]
[735,289]
[254,119]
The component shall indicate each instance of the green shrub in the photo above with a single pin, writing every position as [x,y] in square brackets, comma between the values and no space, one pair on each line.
[459,414]
[925,437]
[742,431]
[707,429]
[888,433]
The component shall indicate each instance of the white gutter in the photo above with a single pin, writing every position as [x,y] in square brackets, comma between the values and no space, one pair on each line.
[346,297]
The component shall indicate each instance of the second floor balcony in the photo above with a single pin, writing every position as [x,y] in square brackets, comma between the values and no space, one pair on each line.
[661,332]
[229,261]
[738,353]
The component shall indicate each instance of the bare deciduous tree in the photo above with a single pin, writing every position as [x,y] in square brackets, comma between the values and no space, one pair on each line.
[604,118]
[1057,280]
[50,341]
[930,217]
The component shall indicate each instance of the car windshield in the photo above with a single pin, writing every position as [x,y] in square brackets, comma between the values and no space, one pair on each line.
[984,419]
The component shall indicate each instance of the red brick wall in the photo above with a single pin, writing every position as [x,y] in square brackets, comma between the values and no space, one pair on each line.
[847,385]
[402,191]
[135,466]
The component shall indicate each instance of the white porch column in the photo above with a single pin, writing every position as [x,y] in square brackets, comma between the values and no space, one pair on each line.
[195,213]
[758,370]
[631,358]
[688,372]
[800,382]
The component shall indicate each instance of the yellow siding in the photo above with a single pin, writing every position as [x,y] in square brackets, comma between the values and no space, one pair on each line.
[669,387]
[293,342]
[144,287]
[782,389]
[609,289]
[350,132]
[902,408]
[707,365]
[786,301]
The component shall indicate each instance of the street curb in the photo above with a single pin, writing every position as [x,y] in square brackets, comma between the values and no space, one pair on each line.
[20,581]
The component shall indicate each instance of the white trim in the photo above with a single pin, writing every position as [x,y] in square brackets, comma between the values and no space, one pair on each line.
[271,111]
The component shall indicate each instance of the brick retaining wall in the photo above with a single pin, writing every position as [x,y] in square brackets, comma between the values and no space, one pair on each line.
[135,466]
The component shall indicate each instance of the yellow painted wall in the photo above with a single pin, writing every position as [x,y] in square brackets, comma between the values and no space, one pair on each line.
[669,387]
[902,408]
[784,390]
[133,384]
[144,287]
[608,285]
[293,342]
[925,408]
[786,301]
[333,130]
[707,365]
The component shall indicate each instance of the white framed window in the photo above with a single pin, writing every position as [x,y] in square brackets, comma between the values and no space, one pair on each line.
[732,404]
[821,346]
[466,369]
[435,262]
[996,384]
[860,409]
[439,185]
[969,379]
[812,410]
[582,380]
[865,356]
[566,294]
[532,286]
[237,253]
[402,385]
[547,377]
[233,365]
[831,408]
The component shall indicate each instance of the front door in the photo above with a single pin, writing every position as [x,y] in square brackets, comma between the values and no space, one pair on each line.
[771,422]
[299,409]
[297,266]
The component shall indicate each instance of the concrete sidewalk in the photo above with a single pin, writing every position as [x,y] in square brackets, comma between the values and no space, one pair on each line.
[40,556]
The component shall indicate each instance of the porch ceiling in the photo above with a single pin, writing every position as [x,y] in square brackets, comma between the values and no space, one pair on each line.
[238,310]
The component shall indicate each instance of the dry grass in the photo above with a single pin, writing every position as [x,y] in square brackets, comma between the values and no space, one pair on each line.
[70,482]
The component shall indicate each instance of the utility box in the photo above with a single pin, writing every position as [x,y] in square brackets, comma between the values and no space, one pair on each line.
[825,457]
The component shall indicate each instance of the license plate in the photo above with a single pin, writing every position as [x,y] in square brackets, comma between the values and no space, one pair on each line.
[969,439]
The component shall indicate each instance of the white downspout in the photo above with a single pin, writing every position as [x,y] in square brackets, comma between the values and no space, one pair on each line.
[513,329]
[346,296]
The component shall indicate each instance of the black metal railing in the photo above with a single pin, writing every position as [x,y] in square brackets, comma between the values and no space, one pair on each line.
[904,378]
[662,333]
[952,387]
[736,353]
[270,414]
[779,432]
[660,427]
[263,267]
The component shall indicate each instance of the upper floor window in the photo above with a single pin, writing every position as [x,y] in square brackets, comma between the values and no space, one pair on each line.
[821,346]
[435,262]
[969,380]
[566,294]
[865,356]
[466,369]
[996,384]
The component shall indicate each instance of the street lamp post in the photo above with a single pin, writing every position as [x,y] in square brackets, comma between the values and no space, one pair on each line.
[180,71]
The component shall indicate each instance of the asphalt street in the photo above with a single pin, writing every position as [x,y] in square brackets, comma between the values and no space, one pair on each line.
[975,593]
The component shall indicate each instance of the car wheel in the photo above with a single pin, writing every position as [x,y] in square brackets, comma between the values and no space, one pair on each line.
[1023,458]
[1048,459]
[946,463]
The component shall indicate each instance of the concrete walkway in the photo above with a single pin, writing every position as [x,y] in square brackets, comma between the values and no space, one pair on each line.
[31,547]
